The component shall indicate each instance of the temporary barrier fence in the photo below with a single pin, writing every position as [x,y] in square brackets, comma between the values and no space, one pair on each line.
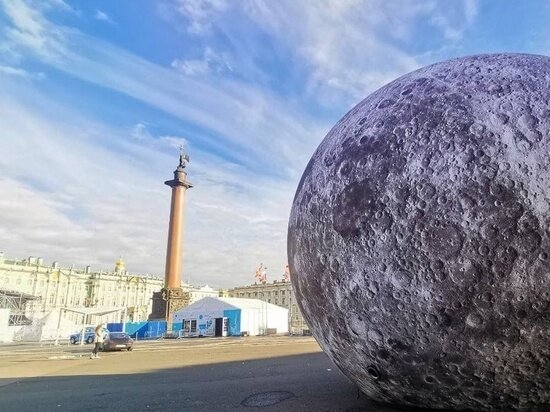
[144,330]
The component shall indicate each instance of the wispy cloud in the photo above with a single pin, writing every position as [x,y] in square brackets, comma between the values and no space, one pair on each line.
[354,47]
[199,13]
[230,110]
[30,31]
[455,19]
[210,62]
[103,195]
[234,218]
[15,71]
[348,47]
[174,142]
[101,15]
[141,132]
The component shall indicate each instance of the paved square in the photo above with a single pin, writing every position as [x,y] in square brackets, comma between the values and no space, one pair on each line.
[211,374]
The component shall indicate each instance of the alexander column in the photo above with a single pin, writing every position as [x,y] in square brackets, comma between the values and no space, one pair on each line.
[172,297]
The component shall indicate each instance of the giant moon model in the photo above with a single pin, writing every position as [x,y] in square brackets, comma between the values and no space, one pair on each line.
[419,237]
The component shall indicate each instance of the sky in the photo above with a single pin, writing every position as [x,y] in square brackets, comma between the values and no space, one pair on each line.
[96,98]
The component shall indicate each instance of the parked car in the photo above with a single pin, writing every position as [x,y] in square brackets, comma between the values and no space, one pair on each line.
[118,341]
[89,335]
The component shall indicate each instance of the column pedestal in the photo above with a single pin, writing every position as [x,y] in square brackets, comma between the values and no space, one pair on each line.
[166,302]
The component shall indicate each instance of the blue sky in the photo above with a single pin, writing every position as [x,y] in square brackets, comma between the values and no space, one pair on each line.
[97,96]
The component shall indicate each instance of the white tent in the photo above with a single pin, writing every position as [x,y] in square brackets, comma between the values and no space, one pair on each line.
[244,315]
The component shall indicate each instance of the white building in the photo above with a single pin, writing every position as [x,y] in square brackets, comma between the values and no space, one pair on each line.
[279,293]
[198,292]
[56,287]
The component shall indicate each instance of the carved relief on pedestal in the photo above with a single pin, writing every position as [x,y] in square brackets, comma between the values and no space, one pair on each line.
[172,299]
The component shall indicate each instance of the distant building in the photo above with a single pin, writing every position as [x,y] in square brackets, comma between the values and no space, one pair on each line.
[279,293]
[198,292]
[54,287]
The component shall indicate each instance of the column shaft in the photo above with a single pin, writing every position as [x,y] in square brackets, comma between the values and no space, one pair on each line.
[175,231]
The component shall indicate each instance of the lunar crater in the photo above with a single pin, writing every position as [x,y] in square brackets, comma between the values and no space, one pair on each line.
[419,242]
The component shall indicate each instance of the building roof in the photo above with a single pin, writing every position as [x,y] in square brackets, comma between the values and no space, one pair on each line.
[260,286]
[247,303]
[94,311]
[217,304]
[18,295]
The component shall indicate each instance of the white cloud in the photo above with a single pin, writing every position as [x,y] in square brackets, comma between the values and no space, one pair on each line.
[100,188]
[229,112]
[199,13]
[455,18]
[175,142]
[140,132]
[80,192]
[248,125]
[354,47]
[210,62]
[58,4]
[14,71]
[55,204]
[470,10]
[101,15]
[31,31]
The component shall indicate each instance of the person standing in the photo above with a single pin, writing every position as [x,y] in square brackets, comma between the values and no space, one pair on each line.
[99,333]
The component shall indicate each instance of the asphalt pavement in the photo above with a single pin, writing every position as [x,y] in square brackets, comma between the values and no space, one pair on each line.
[222,374]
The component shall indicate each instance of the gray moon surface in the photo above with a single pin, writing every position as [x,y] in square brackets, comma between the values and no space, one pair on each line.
[419,237]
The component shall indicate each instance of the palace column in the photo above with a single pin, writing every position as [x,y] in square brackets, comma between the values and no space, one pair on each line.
[172,297]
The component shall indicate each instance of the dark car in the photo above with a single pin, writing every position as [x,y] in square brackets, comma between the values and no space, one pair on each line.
[118,341]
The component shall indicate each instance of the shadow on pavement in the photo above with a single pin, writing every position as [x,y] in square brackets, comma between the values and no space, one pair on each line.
[307,382]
